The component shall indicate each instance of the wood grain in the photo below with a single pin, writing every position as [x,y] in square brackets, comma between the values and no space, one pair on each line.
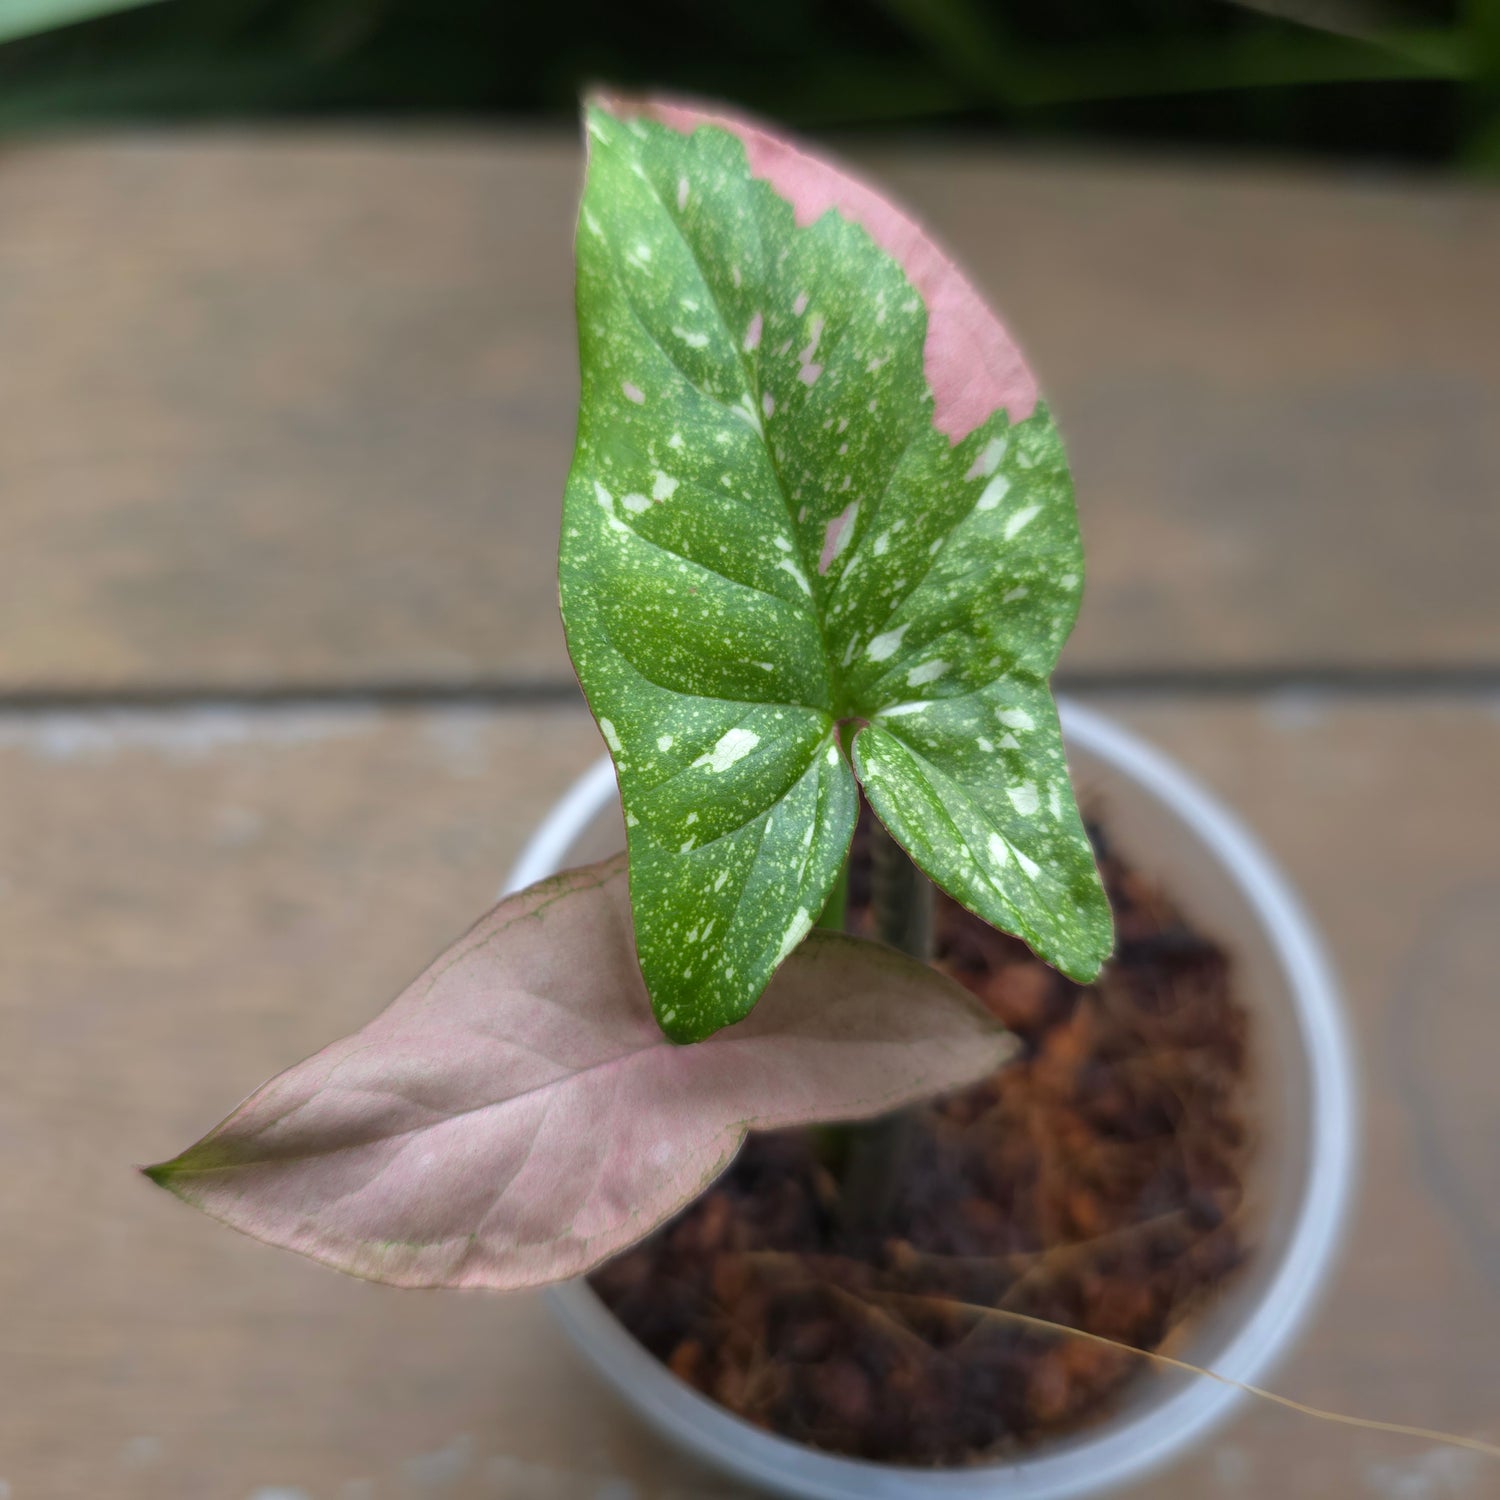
[191,900]
[283,410]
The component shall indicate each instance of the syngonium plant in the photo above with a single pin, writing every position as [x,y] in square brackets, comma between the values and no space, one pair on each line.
[818,536]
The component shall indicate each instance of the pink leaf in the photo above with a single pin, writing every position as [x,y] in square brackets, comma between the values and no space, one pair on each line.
[516,1116]
[972,365]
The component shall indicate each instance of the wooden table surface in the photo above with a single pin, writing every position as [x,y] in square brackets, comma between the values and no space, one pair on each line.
[283,426]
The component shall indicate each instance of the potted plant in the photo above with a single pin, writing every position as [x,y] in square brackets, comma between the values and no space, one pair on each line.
[818,552]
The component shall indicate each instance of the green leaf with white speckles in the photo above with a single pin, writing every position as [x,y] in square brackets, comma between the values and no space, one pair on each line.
[798,500]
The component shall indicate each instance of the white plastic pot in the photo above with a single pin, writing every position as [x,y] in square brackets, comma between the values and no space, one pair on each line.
[1173,831]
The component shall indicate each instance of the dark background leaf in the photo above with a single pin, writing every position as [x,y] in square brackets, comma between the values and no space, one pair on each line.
[1414,80]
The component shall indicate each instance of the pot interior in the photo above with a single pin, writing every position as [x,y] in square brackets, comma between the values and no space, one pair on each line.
[1299,1101]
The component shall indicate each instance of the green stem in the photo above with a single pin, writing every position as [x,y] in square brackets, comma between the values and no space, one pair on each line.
[903,903]
[902,898]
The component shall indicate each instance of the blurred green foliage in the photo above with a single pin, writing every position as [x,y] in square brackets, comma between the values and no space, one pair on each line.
[1414,80]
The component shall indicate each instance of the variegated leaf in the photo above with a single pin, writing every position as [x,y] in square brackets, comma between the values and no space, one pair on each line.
[813,489]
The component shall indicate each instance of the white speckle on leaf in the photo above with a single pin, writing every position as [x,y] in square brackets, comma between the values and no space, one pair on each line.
[753,333]
[630,820]
[882,542]
[1019,520]
[836,537]
[887,643]
[833,755]
[1054,802]
[610,737]
[799,304]
[998,850]
[929,671]
[1024,798]
[1068,580]
[642,252]
[675,441]
[663,487]
[688,821]
[664,742]
[633,392]
[687,848]
[1009,742]
[808,374]
[734,744]
[635,504]
[992,494]
[984,745]
[788,566]
[801,926]
[768,403]
[1031,867]
[781,544]
[721,879]
[691,337]
[1016,593]
[989,458]
[682,193]
[1015,718]
[899,710]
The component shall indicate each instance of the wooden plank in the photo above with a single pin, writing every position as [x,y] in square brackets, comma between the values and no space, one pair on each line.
[191,904]
[189,901]
[296,409]
[1376,811]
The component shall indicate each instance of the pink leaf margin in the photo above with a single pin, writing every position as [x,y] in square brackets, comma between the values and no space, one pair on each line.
[515,1117]
[972,364]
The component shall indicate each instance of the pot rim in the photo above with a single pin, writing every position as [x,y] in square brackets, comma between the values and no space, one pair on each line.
[1123,1448]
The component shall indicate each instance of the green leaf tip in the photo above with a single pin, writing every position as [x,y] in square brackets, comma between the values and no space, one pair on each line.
[783,517]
